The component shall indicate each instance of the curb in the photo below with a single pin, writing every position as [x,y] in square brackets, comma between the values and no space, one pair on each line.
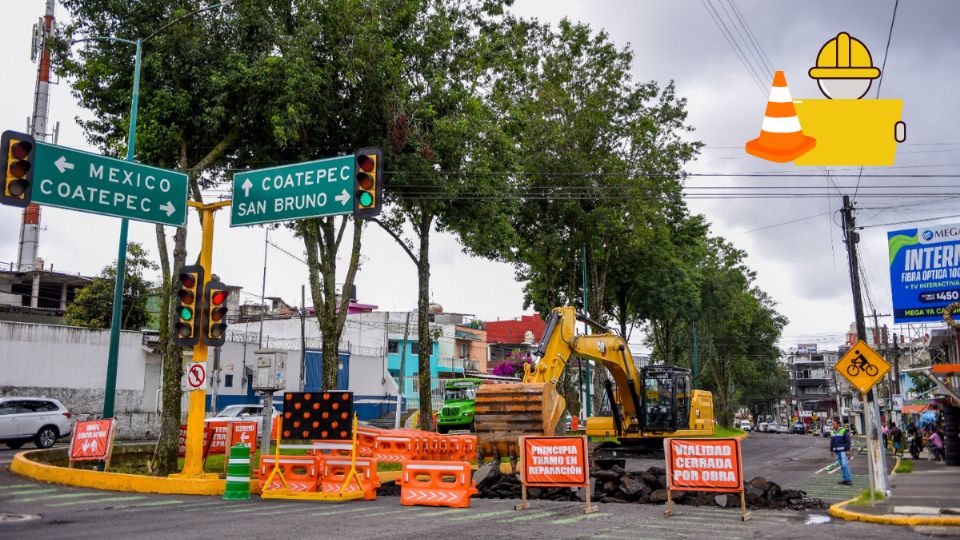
[838,510]
[135,483]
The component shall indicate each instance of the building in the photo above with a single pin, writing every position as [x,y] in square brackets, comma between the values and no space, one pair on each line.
[510,338]
[813,383]
[37,295]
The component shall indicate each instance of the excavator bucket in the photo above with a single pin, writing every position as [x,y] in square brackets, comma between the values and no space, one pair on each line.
[504,412]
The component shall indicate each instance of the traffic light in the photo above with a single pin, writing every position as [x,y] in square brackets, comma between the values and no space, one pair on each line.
[189,304]
[215,313]
[18,151]
[368,184]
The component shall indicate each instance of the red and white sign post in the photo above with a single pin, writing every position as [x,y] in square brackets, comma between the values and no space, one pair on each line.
[704,465]
[244,433]
[92,441]
[554,462]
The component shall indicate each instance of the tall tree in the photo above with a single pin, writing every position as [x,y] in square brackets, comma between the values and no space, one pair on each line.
[446,146]
[92,307]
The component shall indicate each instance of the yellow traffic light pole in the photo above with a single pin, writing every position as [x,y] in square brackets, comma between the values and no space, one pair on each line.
[193,460]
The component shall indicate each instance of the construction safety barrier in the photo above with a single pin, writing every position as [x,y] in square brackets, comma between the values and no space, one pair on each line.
[238,473]
[393,449]
[300,472]
[367,440]
[335,473]
[437,483]
[331,448]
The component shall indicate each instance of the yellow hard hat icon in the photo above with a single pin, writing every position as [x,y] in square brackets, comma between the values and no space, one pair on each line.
[844,57]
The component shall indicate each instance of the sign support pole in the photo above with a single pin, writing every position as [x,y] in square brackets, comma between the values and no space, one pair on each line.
[194,454]
[110,389]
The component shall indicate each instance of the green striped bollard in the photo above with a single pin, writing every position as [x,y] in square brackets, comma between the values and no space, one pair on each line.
[238,474]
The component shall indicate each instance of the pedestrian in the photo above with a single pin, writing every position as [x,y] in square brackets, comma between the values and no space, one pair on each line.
[896,436]
[935,445]
[915,441]
[840,446]
[886,433]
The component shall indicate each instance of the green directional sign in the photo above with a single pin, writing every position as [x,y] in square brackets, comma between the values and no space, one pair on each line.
[98,184]
[298,191]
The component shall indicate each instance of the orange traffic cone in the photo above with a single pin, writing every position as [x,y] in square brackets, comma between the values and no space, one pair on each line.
[781,138]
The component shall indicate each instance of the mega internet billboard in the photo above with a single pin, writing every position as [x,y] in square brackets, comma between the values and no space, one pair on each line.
[924,271]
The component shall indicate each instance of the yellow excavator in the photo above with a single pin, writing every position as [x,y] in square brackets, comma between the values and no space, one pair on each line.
[646,404]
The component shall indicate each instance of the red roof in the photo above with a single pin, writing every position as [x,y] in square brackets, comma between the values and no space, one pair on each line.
[914,409]
[512,331]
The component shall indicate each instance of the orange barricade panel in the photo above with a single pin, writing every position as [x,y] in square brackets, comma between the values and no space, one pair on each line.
[393,449]
[367,440]
[436,483]
[332,448]
[335,471]
[300,472]
[468,447]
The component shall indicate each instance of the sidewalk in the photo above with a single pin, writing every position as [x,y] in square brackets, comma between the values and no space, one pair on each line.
[926,496]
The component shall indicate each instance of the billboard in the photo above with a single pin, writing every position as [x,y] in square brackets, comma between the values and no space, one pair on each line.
[807,348]
[924,271]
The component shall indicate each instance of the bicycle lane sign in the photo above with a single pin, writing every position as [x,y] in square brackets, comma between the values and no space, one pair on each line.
[862,366]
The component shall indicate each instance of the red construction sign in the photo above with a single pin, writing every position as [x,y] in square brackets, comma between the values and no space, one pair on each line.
[91,440]
[244,433]
[554,461]
[704,464]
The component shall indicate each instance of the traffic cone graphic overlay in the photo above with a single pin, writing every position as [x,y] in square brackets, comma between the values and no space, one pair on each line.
[781,138]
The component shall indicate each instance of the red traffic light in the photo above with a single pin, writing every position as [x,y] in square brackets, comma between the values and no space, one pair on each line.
[188,280]
[219,297]
[365,163]
[21,149]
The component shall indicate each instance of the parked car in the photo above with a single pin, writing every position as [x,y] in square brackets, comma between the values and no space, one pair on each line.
[827,431]
[745,425]
[41,420]
[763,426]
[243,411]
[798,428]
[783,428]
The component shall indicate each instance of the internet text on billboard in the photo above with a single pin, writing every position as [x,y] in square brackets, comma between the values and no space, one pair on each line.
[924,271]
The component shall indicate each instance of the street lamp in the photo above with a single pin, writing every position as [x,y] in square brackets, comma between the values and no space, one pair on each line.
[110,388]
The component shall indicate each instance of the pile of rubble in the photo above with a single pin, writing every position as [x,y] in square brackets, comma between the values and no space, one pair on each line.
[650,486]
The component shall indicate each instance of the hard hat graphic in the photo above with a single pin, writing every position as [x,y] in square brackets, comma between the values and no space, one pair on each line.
[844,57]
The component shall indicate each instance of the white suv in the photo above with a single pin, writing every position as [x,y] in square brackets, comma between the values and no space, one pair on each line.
[42,420]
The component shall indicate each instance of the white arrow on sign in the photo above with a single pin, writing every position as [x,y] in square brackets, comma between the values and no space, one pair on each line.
[247,184]
[168,208]
[62,164]
[343,197]
[245,437]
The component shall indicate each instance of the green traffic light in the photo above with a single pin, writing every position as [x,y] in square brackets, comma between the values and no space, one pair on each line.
[366,199]
[186,314]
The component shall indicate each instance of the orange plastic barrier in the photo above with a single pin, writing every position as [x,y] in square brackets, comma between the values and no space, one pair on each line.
[393,449]
[335,472]
[428,483]
[332,448]
[468,447]
[301,472]
[367,440]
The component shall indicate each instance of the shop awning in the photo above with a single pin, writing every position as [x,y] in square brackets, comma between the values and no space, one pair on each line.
[914,409]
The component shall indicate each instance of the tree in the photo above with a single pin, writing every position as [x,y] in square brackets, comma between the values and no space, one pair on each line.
[92,307]
[602,156]
[446,143]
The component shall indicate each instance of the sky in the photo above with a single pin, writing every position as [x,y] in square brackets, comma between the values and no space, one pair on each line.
[793,243]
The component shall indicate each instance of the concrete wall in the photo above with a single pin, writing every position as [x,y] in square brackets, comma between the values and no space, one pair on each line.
[70,364]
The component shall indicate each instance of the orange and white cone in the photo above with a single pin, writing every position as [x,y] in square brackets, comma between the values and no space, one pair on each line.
[781,137]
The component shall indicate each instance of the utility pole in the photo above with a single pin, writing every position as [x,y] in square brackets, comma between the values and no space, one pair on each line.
[403,361]
[586,329]
[871,410]
[696,356]
[303,336]
[263,285]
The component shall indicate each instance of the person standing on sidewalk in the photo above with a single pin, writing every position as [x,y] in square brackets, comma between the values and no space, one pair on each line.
[896,436]
[840,444]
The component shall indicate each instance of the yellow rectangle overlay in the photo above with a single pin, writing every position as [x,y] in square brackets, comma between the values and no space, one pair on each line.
[850,132]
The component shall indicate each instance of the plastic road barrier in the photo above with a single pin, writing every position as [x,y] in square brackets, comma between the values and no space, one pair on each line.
[238,473]
[336,470]
[427,483]
[301,472]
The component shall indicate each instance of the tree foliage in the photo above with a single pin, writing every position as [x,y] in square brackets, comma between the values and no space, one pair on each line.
[92,307]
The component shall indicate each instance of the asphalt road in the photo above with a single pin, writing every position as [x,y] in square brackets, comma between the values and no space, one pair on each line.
[62,512]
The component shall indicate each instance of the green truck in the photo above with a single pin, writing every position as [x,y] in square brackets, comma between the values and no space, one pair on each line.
[459,396]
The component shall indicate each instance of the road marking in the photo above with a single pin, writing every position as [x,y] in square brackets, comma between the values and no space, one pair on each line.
[48,497]
[333,512]
[253,506]
[31,491]
[198,508]
[528,517]
[482,515]
[299,508]
[581,517]
[388,512]
[100,499]
[146,505]
[440,513]
[16,486]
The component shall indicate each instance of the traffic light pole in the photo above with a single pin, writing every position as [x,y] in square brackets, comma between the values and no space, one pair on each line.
[196,409]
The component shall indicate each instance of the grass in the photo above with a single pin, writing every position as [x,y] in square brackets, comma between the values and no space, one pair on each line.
[721,431]
[905,466]
[864,498]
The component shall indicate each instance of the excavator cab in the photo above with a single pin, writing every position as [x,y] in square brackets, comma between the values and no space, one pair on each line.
[665,399]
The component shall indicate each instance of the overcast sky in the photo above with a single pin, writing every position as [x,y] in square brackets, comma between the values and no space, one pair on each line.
[793,243]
